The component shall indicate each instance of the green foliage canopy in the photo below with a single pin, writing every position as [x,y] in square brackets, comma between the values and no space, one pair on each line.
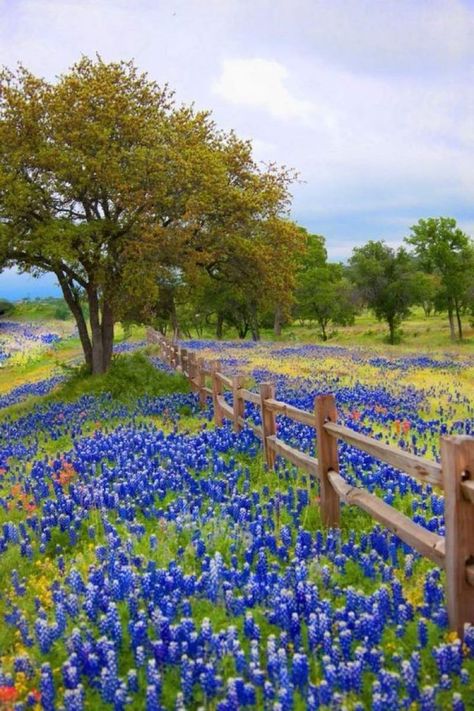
[386,280]
[445,251]
[323,292]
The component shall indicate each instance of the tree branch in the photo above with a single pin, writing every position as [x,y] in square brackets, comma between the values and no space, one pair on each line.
[49,266]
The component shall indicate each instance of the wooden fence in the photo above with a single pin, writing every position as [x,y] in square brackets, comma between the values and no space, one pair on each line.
[454,552]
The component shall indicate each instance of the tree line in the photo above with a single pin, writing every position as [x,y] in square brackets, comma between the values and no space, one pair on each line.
[145,211]
[434,269]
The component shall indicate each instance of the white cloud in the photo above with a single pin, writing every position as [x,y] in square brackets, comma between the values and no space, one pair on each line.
[371,102]
[261,84]
[263,150]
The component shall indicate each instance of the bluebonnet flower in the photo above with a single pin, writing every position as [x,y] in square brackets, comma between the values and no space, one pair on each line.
[47,689]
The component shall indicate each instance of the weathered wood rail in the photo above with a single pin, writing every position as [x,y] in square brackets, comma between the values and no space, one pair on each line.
[454,552]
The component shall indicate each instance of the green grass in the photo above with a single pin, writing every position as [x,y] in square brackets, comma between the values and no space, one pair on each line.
[417,332]
[42,309]
[129,377]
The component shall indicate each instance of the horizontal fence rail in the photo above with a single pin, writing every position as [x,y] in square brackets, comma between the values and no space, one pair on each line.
[453,552]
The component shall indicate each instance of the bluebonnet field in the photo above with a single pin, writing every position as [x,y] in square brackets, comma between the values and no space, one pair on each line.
[25,339]
[150,561]
[45,385]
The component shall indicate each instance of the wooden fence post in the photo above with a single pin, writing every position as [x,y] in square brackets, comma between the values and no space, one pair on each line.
[457,462]
[238,402]
[184,361]
[192,369]
[267,392]
[326,446]
[201,381]
[216,391]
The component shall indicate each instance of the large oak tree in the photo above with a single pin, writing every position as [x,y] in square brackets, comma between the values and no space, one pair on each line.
[108,184]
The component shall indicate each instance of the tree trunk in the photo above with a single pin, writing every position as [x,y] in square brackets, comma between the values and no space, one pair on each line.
[427,308]
[254,328]
[451,323]
[96,329]
[255,331]
[72,299]
[243,330]
[102,328]
[277,321]
[107,328]
[174,319]
[391,327]
[219,325]
[198,330]
[458,318]
[322,326]
[98,349]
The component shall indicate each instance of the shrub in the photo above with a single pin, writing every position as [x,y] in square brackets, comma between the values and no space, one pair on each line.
[6,307]
[129,376]
[62,312]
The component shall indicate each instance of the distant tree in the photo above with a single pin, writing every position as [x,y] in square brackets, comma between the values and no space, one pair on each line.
[386,281]
[62,311]
[6,307]
[444,250]
[107,184]
[323,293]
[170,286]
[314,257]
[428,287]
[470,300]
[252,281]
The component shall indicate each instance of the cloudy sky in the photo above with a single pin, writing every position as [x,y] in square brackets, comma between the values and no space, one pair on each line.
[371,102]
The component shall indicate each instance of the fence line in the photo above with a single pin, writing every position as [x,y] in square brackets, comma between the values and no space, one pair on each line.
[454,552]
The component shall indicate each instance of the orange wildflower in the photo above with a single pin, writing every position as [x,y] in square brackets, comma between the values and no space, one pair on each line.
[65,474]
[8,693]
